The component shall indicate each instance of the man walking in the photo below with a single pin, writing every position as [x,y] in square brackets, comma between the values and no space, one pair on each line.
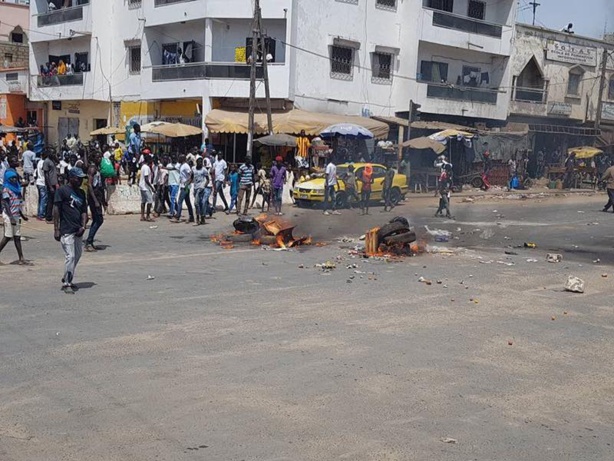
[133,152]
[329,188]
[70,220]
[246,184]
[608,177]
[445,186]
[387,186]
[185,179]
[220,168]
[365,190]
[50,173]
[173,185]
[278,178]
[201,181]
[12,204]
[96,201]
[147,189]
[43,195]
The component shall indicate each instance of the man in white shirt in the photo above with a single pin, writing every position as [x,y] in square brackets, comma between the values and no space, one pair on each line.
[43,195]
[330,185]
[147,189]
[185,179]
[220,168]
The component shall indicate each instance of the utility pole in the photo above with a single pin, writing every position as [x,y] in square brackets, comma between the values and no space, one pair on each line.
[534,4]
[265,72]
[604,65]
[252,80]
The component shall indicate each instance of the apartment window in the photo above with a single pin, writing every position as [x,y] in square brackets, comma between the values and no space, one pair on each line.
[573,84]
[134,57]
[477,10]
[432,71]
[16,37]
[8,57]
[134,3]
[382,66]
[12,77]
[386,4]
[443,5]
[611,88]
[82,62]
[341,61]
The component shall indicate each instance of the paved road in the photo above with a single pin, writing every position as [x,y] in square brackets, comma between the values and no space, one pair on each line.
[243,355]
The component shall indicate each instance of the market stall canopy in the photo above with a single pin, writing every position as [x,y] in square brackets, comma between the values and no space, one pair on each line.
[151,125]
[176,130]
[425,143]
[346,130]
[443,136]
[277,140]
[291,122]
[439,126]
[107,131]
[584,151]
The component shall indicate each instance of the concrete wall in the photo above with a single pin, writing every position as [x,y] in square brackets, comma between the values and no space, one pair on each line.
[87,112]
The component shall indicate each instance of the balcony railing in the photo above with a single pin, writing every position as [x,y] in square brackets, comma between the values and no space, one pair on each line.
[202,70]
[74,13]
[158,3]
[462,93]
[60,80]
[533,95]
[473,26]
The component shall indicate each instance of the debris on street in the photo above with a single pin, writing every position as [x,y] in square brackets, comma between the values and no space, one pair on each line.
[554,258]
[448,440]
[392,239]
[574,285]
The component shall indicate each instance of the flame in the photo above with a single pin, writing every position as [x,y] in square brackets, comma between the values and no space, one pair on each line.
[280,241]
[308,241]
[256,242]
[238,232]
[217,238]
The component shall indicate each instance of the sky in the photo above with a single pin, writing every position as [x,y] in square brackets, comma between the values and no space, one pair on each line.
[589,17]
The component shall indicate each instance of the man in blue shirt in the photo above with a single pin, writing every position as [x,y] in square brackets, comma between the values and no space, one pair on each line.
[134,151]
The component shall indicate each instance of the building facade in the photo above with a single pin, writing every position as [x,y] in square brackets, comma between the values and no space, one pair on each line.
[561,88]
[179,59]
[14,71]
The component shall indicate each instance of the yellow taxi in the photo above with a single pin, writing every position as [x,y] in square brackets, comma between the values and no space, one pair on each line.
[311,192]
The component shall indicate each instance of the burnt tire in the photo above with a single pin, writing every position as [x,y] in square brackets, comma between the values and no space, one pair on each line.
[477,182]
[341,200]
[396,196]
[400,219]
[391,229]
[401,239]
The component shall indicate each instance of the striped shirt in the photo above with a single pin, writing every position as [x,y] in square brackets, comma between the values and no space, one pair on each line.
[15,201]
[246,172]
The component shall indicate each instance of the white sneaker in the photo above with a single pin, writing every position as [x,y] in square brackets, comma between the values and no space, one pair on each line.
[326,213]
[336,212]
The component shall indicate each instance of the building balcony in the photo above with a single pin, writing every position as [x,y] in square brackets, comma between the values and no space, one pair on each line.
[158,3]
[530,95]
[59,16]
[59,80]
[462,93]
[202,70]
[63,23]
[449,29]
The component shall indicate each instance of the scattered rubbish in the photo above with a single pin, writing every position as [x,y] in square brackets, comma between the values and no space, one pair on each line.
[597,261]
[153,227]
[564,312]
[505,263]
[345,240]
[581,212]
[593,224]
[510,342]
[490,261]
[553,318]
[605,276]
[150,277]
[362,237]
[532,260]
[439,282]
[448,440]
[554,258]
[432,249]
[423,280]
[511,253]
[530,245]
[442,239]
[574,285]
[392,239]
[438,232]
[327,266]
[495,211]
[301,266]
[468,200]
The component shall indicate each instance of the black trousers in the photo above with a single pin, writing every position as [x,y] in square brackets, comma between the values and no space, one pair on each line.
[610,203]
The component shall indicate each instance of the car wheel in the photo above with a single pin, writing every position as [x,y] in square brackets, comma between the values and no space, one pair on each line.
[395,196]
[341,200]
[477,182]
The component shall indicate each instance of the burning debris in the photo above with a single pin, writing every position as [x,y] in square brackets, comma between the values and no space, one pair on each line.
[262,230]
[393,239]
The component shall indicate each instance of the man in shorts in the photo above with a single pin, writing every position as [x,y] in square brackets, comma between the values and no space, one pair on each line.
[12,205]
[147,189]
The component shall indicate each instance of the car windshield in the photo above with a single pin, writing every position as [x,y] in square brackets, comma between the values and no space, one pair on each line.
[342,170]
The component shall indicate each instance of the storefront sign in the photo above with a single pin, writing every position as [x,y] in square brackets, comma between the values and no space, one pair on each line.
[573,54]
[608,111]
[73,109]
[559,108]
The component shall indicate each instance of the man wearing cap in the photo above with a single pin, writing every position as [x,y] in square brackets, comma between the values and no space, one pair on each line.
[69,221]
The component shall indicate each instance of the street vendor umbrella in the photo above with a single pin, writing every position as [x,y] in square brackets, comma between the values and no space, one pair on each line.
[148,127]
[584,151]
[442,136]
[107,131]
[347,130]
[176,130]
[277,140]
[425,143]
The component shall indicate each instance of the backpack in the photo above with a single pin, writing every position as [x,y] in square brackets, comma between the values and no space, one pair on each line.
[106,168]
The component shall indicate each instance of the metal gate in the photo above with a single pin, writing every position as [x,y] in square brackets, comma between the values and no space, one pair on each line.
[66,126]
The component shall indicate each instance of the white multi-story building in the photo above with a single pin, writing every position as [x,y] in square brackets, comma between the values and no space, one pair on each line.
[180,59]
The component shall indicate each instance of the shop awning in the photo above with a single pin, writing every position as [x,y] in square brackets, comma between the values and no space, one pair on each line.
[291,122]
